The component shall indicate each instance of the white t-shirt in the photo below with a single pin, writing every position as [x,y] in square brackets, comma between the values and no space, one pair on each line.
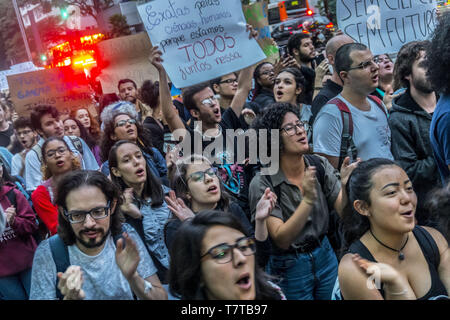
[102,278]
[371,133]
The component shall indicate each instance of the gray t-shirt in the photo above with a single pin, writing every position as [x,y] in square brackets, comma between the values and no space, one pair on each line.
[102,278]
[371,133]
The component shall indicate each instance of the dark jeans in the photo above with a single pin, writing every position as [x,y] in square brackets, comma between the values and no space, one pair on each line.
[306,276]
[16,287]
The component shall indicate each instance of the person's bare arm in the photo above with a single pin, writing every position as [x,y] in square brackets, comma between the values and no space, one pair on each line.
[444,265]
[169,112]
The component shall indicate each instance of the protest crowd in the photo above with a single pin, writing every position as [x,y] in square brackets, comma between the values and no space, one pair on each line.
[336,173]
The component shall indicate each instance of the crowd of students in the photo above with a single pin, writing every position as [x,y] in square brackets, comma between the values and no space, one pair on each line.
[121,202]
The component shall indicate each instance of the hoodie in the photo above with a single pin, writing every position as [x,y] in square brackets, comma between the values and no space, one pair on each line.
[17,244]
[411,147]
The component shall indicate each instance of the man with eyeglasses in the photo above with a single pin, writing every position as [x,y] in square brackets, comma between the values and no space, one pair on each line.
[28,138]
[226,87]
[94,256]
[45,120]
[354,123]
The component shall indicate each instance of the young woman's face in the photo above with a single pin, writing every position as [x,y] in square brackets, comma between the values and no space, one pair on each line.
[71,128]
[131,164]
[82,115]
[295,139]
[393,200]
[124,129]
[58,158]
[386,65]
[233,280]
[266,76]
[203,185]
[285,88]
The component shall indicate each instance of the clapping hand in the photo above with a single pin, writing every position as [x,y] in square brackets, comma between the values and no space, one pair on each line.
[178,207]
[127,258]
[128,207]
[70,283]
[309,185]
[265,205]
[347,169]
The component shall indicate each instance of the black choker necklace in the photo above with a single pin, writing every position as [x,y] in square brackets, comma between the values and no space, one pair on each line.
[401,256]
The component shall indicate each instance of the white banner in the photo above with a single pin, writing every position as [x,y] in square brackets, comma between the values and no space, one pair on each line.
[200,40]
[386,25]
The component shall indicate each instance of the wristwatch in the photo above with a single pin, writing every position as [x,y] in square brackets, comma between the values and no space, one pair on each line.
[147,287]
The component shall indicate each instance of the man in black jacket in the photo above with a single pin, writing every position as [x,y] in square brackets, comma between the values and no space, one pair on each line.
[410,119]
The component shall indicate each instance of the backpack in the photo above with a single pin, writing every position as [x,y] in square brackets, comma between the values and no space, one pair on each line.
[76,141]
[60,255]
[347,143]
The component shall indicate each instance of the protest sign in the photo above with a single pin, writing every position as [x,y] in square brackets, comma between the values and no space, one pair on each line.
[200,40]
[256,15]
[125,58]
[59,87]
[15,69]
[3,80]
[386,25]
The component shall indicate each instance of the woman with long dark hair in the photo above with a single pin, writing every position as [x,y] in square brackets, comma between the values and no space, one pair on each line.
[408,261]
[196,187]
[144,205]
[212,258]
[263,78]
[73,127]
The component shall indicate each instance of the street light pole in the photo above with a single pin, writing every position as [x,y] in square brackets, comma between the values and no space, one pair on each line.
[22,29]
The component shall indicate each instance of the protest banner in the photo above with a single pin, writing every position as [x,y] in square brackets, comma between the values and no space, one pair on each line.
[59,87]
[15,69]
[125,58]
[386,25]
[3,80]
[256,15]
[200,40]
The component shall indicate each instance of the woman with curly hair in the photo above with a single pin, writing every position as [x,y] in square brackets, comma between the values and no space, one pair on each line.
[120,122]
[409,261]
[306,186]
[57,161]
[438,61]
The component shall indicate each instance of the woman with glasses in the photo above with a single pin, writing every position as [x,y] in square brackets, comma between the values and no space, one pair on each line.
[119,121]
[385,78]
[17,244]
[73,127]
[289,87]
[57,160]
[197,187]
[263,78]
[144,205]
[213,258]
[306,187]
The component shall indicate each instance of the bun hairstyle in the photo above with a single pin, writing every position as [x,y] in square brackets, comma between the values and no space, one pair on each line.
[358,187]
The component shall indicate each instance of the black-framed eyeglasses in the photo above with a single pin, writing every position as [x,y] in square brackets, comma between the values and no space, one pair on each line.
[52,153]
[201,175]
[78,216]
[223,253]
[209,102]
[122,123]
[229,81]
[364,65]
[292,129]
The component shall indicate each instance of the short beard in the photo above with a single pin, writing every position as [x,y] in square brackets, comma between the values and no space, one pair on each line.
[90,244]
[305,58]
[422,86]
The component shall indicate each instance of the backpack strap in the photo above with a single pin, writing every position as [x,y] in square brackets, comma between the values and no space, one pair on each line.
[347,132]
[60,255]
[379,103]
[38,149]
[77,144]
[320,172]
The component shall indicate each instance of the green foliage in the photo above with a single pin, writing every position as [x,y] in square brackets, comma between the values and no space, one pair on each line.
[119,25]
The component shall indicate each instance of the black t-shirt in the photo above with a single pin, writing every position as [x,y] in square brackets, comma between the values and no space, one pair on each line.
[330,90]
[5,136]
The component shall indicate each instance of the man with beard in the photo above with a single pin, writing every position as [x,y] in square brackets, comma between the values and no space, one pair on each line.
[369,135]
[128,92]
[410,120]
[27,137]
[94,255]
